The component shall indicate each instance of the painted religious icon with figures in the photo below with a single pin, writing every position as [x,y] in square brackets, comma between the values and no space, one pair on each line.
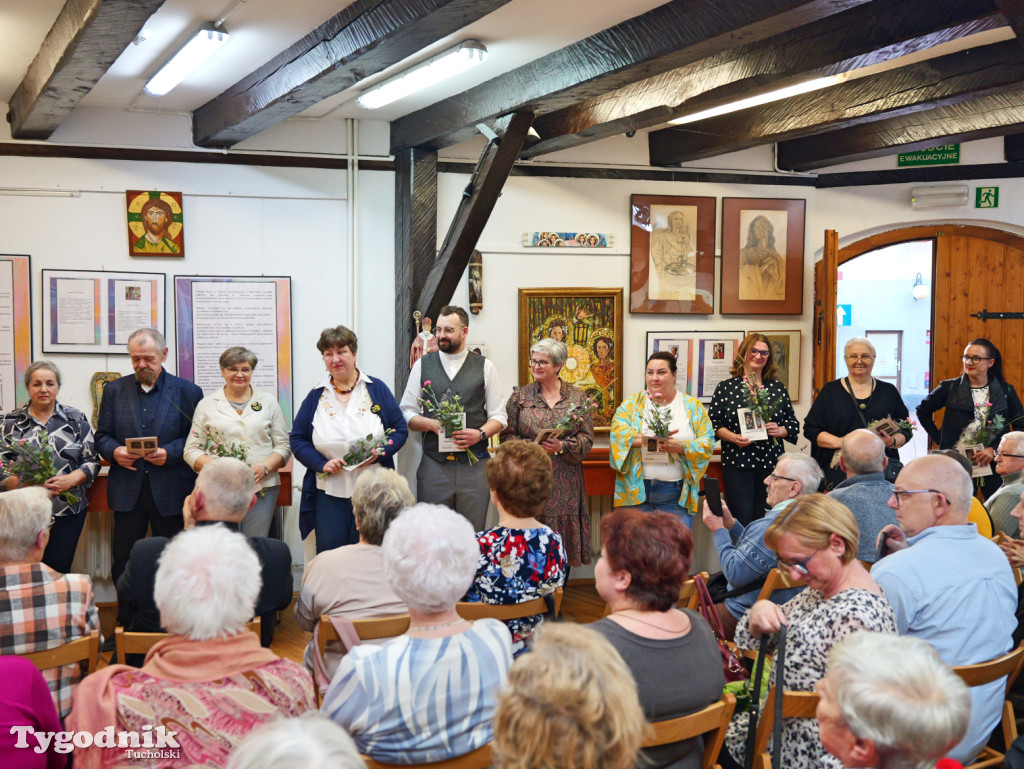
[156,225]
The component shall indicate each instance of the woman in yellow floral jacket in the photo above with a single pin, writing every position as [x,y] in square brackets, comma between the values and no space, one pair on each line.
[665,480]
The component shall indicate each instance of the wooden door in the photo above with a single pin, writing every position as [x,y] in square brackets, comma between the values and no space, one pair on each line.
[824,342]
[889,363]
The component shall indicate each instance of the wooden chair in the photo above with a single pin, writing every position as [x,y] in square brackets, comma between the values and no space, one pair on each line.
[688,598]
[794,705]
[1008,665]
[140,643]
[478,759]
[714,718]
[529,608]
[82,650]
[778,580]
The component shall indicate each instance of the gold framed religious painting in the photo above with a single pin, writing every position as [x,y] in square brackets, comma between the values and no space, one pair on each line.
[156,224]
[786,354]
[589,321]
[762,256]
[672,254]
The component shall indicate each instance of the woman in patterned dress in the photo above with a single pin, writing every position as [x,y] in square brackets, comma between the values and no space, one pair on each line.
[538,406]
[520,558]
[816,539]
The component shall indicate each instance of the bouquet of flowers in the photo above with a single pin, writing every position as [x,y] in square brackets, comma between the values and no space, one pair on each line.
[575,415]
[212,442]
[447,410]
[33,461]
[989,428]
[762,404]
[658,419]
[367,447]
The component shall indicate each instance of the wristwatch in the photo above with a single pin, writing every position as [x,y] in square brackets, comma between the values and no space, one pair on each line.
[483,435]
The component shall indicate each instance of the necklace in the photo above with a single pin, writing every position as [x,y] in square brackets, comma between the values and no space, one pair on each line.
[649,624]
[436,627]
[863,406]
[346,392]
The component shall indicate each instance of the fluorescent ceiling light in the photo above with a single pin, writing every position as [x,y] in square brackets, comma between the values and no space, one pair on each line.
[201,47]
[943,196]
[430,72]
[765,98]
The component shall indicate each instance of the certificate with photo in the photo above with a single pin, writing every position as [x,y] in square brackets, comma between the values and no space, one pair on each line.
[649,451]
[549,432]
[971,451]
[445,441]
[751,425]
[141,446]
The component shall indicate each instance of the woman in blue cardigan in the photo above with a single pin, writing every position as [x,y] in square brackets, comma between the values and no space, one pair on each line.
[346,408]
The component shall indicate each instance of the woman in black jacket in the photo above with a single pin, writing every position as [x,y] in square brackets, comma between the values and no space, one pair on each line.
[972,401]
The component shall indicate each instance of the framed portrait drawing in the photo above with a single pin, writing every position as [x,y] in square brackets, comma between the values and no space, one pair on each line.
[672,254]
[156,223]
[589,321]
[786,354]
[703,358]
[762,256]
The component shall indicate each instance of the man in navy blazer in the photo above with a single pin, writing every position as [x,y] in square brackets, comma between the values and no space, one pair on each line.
[146,491]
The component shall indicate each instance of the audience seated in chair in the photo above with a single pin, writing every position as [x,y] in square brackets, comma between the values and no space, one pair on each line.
[890,701]
[865,492]
[1010,465]
[311,741]
[224,492]
[26,707]
[946,584]
[39,607]
[427,695]
[570,703]
[349,580]
[520,558]
[211,682]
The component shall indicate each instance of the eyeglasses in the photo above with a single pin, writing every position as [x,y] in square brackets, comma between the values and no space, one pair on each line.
[864,357]
[899,502]
[775,477]
[539,363]
[1005,454]
[760,353]
[800,567]
[972,359]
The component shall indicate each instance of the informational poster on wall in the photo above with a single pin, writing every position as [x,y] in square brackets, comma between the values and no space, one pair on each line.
[15,329]
[213,314]
[96,312]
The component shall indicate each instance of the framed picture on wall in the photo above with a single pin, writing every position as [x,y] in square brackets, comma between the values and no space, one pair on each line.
[156,223]
[15,328]
[703,358]
[786,354]
[672,254]
[589,321]
[762,256]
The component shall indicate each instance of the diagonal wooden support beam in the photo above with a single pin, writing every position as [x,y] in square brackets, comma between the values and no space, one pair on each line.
[473,212]
[858,37]
[366,37]
[670,36]
[943,81]
[80,47]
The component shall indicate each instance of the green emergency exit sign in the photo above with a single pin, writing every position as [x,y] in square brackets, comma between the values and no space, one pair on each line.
[946,154]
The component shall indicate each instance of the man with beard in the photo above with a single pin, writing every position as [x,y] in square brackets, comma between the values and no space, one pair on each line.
[146,491]
[447,477]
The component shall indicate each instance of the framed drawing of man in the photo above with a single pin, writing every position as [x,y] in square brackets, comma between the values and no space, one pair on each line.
[672,254]
[589,322]
[156,224]
[786,354]
[762,256]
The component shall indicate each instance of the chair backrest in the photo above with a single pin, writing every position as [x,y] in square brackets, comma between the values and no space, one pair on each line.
[979,516]
[477,759]
[714,718]
[529,608]
[794,705]
[777,580]
[140,643]
[688,597]
[1009,665]
[85,650]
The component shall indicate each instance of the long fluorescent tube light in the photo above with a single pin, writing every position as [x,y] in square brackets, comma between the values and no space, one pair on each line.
[765,98]
[430,72]
[206,42]
[942,196]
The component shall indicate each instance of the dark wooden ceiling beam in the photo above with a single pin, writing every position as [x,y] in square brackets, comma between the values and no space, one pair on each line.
[936,82]
[858,37]
[83,42]
[980,118]
[666,38]
[365,38]
[1013,10]
[475,207]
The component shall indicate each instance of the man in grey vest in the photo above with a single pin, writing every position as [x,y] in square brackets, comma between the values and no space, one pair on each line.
[447,478]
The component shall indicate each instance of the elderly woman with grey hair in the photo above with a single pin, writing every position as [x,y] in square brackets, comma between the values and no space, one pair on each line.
[70,438]
[540,406]
[248,420]
[905,713]
[311,741]
[349,580]
[847,404]
[428,695]
[206,589]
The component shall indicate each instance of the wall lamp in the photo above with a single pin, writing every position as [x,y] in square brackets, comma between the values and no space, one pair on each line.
[919,290]
[425,74]
[203,44]
[939,196]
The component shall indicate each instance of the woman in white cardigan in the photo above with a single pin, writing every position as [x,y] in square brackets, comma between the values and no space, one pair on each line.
[239,419]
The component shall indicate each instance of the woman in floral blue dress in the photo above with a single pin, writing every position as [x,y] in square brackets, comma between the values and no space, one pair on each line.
[520,558]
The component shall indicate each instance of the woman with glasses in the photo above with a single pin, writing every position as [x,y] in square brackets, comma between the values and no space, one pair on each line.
[850,403]
[745,462]
[538,407]
[974,402]
[815,540]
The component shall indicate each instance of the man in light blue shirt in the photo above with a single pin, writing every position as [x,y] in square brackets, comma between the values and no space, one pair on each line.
[742,552]
[947,584]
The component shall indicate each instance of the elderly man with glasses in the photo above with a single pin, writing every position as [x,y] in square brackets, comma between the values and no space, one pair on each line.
[1010,465]
[746,560]
[948,585]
